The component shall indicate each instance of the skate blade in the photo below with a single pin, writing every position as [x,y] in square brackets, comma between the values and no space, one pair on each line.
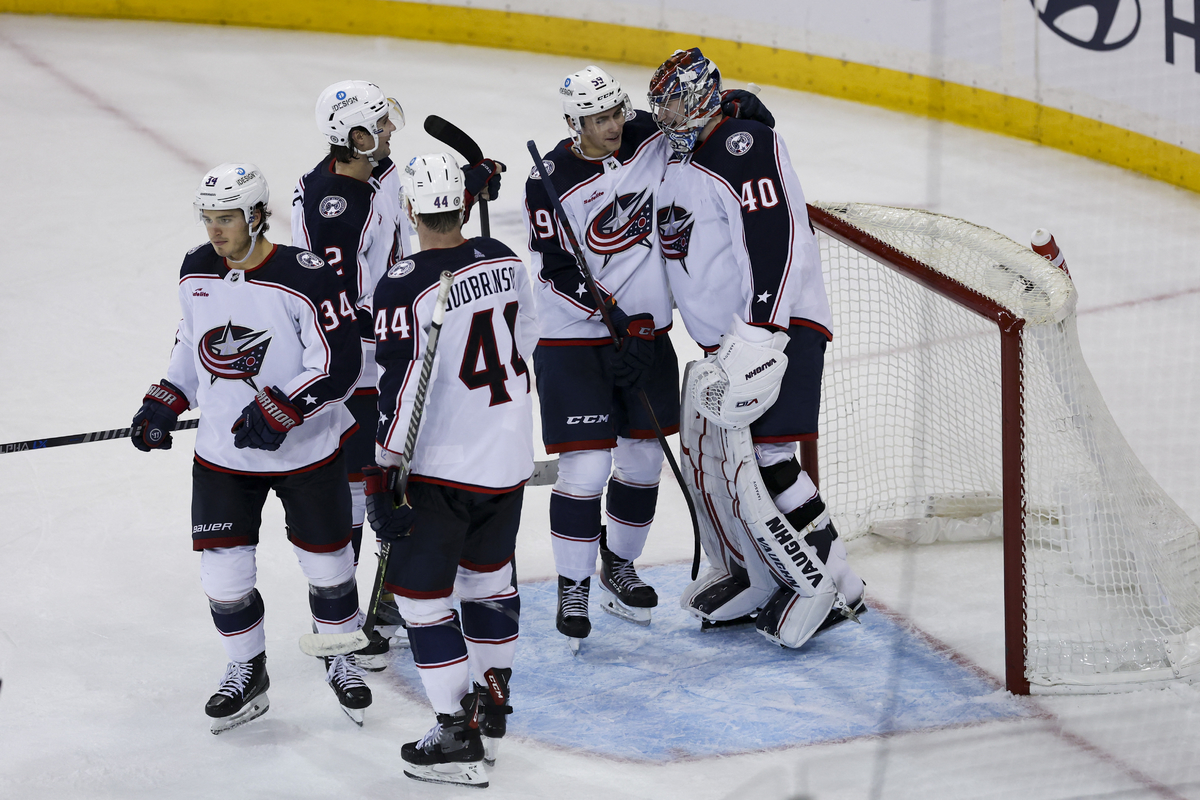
[469,774]
[610,603]
[252,710]
[491,748]
[356,715]
[574,644]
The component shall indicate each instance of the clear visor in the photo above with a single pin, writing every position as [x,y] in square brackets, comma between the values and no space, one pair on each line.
[395,113]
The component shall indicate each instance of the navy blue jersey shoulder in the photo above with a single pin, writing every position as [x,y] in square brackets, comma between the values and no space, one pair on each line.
[202,260]
[335,202]
[403,283]
[567,172]
[635,133]
[300,270]
[737,149]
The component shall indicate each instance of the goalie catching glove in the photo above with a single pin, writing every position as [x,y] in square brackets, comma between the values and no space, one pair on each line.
[737,384]
[390,520]
[152,424]
[265,423]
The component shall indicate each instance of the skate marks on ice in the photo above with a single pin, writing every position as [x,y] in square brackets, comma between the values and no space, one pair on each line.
[669,691]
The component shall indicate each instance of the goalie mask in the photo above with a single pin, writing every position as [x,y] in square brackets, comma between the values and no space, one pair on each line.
[229,186]
[347,105]
[433,184]
[591,91]
[685,93]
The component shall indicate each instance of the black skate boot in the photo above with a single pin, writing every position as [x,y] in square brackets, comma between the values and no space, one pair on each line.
[572,620]
[242,696]
[345,677]
[493,711]
[373,657]
[451,752]
[623,593]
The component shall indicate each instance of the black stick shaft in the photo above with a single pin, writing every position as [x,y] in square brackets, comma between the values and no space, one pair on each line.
[83,438]
[594,290]
[410,441]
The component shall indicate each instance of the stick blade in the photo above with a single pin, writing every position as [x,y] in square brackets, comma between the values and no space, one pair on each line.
[324,645]
[450,134]
[545,473]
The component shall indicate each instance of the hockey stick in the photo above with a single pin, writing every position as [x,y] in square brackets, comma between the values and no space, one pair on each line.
[594,290]
[450,134]
[82,438]
[336,644]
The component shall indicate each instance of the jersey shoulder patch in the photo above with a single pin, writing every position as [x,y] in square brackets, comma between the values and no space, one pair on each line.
[309,260]
[332,206]
[737,148]
[201,260]
[401,268]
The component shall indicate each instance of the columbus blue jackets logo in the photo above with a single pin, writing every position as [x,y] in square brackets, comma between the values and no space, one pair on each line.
[233,353]
[739,143]
[332,206]
[309,260]
[401,269]
[537,176]
[625,222]
[675,233]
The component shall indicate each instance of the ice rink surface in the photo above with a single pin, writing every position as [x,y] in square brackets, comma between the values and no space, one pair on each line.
[107,651]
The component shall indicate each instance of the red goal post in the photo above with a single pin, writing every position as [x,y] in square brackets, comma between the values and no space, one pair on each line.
[956,399]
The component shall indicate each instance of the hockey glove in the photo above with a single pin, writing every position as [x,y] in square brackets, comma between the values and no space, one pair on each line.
[265,423]
[390,521]
[744,105]
[152,424]
[482,181]
[633,360]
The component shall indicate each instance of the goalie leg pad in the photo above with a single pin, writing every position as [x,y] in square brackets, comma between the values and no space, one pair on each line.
[722,596]
[790,620]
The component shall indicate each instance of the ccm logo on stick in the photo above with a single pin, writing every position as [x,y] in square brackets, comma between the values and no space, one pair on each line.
[587,420]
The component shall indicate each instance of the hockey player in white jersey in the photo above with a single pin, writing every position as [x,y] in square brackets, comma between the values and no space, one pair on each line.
[268,351]
[348,210]
[457,534]
[745,272]
[606,175]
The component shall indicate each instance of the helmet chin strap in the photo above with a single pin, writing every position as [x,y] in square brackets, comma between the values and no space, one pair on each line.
[253,241]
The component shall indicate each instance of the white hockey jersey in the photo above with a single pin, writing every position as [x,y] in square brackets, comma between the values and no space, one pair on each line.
[733,227]
[359,228]
[610,205]
[477,429]
[285,323]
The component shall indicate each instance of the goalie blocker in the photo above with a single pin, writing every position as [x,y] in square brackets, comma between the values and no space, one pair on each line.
[789,568]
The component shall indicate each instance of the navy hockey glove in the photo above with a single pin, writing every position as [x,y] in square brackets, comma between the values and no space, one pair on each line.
[632,362]
[482,181]
[152,424]
[744,105]
[265,423]
[390,521]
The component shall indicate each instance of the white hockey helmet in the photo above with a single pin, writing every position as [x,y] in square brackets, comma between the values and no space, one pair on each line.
[233,186]
[347,105]
[434,184]
[591,91]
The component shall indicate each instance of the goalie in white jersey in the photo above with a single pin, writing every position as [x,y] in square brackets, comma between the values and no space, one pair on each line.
[473,456]
[745,272]
[268,351]
[606,176]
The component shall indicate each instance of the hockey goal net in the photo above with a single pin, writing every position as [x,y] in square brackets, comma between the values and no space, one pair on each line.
[957,402]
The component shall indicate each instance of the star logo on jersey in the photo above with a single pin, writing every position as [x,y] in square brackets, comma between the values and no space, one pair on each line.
[675,233]
[764,297]
[309,399]
[233,353]
[625,222]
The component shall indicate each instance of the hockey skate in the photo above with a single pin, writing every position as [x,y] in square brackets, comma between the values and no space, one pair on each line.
[451,752]
[572,620]
[852,611]
[622,593]
[493,711]
[374,657]
[345,677]
[242,696]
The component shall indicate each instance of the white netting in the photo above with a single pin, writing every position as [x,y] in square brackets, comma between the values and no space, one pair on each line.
[911,448]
